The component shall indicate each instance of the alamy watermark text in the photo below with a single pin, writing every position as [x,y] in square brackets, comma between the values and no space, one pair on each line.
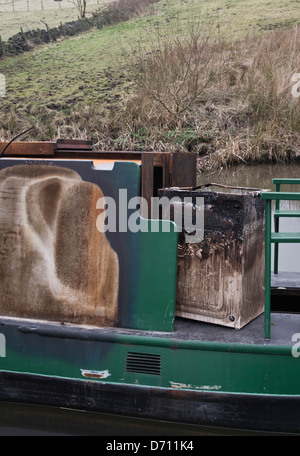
[2,86]
[2,346]
[187,215]
[296,86]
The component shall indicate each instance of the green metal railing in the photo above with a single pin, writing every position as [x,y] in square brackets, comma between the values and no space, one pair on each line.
[279,213]
[276,238]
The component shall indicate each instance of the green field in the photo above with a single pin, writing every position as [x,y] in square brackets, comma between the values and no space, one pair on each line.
[83,87]
[15,14]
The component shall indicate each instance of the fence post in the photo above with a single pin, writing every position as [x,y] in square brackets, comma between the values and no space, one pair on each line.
[2,47]
[23,34]
[62,29]
[48,30]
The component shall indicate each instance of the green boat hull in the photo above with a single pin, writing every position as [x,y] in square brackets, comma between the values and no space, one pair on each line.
[157,377]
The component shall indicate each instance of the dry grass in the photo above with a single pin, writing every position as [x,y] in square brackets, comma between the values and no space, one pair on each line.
[265,116]
[124,10]
[228,101]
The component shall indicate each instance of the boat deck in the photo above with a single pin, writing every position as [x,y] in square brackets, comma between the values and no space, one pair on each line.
[284,325]
[285,322]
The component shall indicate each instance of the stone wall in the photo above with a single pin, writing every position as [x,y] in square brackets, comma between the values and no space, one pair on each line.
[25,41]
[118,11]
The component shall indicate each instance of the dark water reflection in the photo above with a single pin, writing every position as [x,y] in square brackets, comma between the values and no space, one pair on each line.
[260,176]
[37,421]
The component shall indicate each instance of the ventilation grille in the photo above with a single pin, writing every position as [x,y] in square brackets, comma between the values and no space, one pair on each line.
[143,363]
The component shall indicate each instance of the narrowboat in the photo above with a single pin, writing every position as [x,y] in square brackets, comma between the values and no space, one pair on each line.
[111,312]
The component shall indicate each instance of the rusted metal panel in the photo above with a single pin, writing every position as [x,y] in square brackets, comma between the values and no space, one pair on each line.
[221,279]
[76,144]
[184,169]
[147,182]
[36,148]
[177,168]
[167,170]
[61,261]
[158,169]
[81,153]
[47,223]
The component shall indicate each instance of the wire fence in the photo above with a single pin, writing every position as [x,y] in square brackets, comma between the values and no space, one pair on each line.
[16,6]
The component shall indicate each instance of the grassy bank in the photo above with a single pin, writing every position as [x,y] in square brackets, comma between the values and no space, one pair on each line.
[205,76]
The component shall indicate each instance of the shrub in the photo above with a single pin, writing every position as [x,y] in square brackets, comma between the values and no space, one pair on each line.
[237,92]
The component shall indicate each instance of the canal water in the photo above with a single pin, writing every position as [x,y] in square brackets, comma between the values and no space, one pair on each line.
[260,176]
[36,421]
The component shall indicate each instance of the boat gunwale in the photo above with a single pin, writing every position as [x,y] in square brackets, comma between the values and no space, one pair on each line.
[116,335]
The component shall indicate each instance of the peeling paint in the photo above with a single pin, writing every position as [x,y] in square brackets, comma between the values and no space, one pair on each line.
[202,387]
[95,374]
[213,387]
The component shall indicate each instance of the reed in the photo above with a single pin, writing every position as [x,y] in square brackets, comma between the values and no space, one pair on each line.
[230,101]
